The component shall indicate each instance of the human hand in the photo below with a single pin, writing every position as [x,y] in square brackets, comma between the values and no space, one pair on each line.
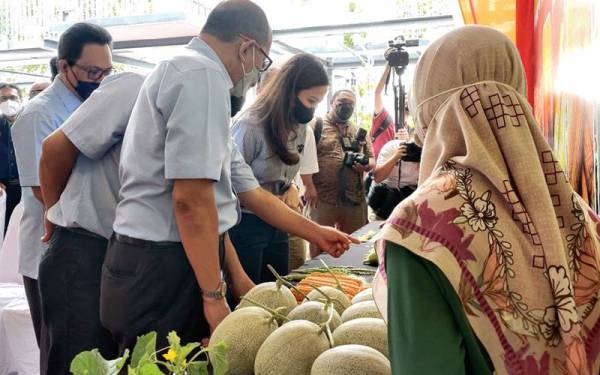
[310,196]
[402,135]
[240,285]
[215,310]
[361,168]
[333,241]
[400,152]
[292,198]
[48,228]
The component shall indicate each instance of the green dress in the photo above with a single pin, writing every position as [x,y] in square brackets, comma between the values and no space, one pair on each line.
[427,327]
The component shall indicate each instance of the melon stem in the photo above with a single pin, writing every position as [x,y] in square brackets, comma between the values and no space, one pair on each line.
[325,327]
[273,313]
[337,281]
[328,299]
[282,281]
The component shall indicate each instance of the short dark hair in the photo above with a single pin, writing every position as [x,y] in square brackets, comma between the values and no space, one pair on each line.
[53,67]
[231,18]
[340,92]
[73,40]
[11,86]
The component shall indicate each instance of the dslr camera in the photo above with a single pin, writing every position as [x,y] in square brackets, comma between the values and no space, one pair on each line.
[413,153]
[352,147]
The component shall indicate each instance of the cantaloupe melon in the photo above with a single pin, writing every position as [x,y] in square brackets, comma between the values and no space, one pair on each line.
[315,312]
[271,295]
[366,309]
[244,331]
[351,360]
[341,300]
[365,295]
[370,332]
[291,349]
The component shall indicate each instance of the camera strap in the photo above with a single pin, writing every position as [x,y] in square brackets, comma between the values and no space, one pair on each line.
[382,128]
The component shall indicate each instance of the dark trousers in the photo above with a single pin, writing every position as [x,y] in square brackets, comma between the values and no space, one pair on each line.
[70,274]
[150,287]
[258,244]
[13,197]
[32,293]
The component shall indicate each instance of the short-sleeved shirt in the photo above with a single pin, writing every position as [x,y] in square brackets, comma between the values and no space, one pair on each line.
[331,156]
[44,114]
[404,174]
[179,129]
[309,164]
[96,129]
[8,160]
[271,172]
[380,119]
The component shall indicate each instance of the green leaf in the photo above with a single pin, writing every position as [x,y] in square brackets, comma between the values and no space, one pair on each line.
[187,349]
[198,368]
[174,341]
[150,369]
[219,358]
[146,344]
[92,363]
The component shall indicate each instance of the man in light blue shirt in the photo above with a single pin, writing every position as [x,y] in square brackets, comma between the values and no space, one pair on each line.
[162,270]
[84,60]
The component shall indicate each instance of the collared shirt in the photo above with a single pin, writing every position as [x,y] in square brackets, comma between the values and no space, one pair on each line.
[96,129]
[271,172]
[331,156]
[44,114]
[179,129]
[8,161]
[404,174]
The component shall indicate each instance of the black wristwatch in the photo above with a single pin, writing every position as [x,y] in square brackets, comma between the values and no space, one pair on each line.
[219,293]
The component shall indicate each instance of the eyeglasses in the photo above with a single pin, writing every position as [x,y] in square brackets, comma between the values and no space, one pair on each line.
[94,73]
[267,61]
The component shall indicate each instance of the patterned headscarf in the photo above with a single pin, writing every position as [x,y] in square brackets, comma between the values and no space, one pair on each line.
[495,212]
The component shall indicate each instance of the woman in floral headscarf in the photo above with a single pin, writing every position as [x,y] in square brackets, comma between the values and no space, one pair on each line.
[492,264]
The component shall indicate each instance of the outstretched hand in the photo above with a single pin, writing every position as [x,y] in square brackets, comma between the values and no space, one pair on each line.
[333,241]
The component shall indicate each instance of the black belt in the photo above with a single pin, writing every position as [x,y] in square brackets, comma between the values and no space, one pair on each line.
[145,243]
[79,231]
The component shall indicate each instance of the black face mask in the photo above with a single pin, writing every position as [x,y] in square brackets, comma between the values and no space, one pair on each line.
[344,111]
[302,113]
[237,102]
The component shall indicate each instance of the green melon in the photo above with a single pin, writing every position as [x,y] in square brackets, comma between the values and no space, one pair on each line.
[315,312]
[244,331]
[365,295]
[271,295]
[351,360]
[291,349]
[369,332]
[341,300]
[366,309]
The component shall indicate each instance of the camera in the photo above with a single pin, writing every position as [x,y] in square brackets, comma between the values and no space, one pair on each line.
[397,56]
[352,149]
[351,157]
[413,153]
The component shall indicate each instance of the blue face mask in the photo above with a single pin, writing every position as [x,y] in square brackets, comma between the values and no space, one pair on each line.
[85,89]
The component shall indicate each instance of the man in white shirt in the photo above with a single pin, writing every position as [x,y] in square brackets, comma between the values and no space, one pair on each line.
[399,177]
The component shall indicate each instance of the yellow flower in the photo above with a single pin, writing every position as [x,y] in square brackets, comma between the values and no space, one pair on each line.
[171,355]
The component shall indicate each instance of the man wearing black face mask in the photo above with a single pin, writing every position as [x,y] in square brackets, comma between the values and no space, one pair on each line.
[341,194]
[84,59]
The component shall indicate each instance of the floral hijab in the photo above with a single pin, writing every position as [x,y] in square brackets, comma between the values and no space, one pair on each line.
[496,214]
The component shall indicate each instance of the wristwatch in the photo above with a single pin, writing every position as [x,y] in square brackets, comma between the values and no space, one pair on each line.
[219,293]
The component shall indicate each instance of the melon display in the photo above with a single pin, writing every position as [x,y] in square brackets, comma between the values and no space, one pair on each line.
[351,360]
[366,309]
[371,332]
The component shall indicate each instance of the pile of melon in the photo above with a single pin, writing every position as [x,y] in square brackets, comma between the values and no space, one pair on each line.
[270,333]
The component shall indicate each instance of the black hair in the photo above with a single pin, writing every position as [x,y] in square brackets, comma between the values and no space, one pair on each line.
[73,40]
[231,18]
[274,107]
[53,67]
[11,86]
[340,92]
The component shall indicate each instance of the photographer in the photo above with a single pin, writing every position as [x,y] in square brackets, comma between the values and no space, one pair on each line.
[396,175]
[382,130]
[345,154]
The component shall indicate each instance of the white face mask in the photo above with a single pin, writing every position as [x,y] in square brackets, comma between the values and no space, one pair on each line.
[10,108]
[248,80]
